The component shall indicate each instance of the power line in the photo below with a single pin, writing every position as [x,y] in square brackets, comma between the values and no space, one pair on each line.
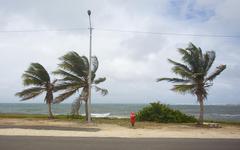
[123,31]
[174,34]
[43,30]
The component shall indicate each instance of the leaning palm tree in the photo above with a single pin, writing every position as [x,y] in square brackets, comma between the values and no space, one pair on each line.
[74,72]
[38,78]
[194,74]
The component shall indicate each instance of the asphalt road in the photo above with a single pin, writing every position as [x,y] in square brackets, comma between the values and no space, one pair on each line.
[71,143]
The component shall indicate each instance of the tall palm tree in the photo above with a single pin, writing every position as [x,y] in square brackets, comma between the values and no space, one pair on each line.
[39,81]
[194,74]
[74,72]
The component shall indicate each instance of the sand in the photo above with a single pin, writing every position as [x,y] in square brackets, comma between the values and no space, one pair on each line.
[38,127]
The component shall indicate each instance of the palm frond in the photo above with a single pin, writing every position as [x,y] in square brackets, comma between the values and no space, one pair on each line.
[85,61]
[86,64]
[35,75]
[182,72]
[64,96]
[68,76]
[196,57]
[217,72]
[29,79]
[103,91]
[68,86]
[94,64]
[74,63]
[38,71]
[184,67]
[174,80]
[99,80]
[209,58]
[187,57]
[184,88]
[30,93]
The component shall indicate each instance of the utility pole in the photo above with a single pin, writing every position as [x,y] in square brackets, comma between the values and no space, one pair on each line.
[90,70]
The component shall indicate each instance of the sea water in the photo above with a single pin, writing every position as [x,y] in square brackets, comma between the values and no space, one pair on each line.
[212,112]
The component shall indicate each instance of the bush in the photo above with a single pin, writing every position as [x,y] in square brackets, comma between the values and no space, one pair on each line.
[157,112]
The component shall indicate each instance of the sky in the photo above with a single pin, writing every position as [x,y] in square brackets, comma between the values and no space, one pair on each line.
[131,62]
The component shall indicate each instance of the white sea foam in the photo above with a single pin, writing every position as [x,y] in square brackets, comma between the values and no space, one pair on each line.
[98,115]
[225,115]
[101,115]
[230,115]
[119,117]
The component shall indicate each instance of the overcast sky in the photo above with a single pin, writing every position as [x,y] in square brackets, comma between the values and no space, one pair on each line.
[131,62]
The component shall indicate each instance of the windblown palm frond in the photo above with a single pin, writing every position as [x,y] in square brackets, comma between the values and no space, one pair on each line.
[35,75]
[209,58]
[64,96]
[103,91]
[63,85]
[68,76]
[30,93]
[184,67]
[99,80]
[94,64]
[184,88]
[174,80]
[217,72]
[73,63]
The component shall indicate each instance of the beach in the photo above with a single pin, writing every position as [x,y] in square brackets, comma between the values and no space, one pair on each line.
[61,128]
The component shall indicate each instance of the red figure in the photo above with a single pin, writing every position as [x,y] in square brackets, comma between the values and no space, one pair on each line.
[132,118]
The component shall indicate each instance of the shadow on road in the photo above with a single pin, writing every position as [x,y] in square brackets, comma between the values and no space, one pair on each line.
[50,128]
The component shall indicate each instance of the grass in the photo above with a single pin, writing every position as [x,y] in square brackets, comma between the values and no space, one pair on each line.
[117,121]
[37,116]
[81,119]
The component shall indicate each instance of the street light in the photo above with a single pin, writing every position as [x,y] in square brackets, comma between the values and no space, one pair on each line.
[89,73]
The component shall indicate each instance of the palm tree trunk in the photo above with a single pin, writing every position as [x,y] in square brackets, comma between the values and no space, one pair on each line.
[50,115]
[76,107]
[201,112]
[86,110]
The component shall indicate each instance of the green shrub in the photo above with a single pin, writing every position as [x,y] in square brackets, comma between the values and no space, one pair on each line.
[157,112]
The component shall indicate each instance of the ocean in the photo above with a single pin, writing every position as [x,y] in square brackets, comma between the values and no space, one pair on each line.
[212,112]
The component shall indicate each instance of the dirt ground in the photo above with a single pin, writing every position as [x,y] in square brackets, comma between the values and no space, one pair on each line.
[44,127]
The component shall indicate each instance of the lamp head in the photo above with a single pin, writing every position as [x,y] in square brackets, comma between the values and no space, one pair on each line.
[89,12]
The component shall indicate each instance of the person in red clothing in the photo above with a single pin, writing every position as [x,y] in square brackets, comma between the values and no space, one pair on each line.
[132,118]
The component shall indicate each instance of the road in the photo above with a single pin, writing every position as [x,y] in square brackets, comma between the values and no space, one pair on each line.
[71,143]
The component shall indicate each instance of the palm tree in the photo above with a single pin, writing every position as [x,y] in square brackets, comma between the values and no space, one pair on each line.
[194,74]
[74,72]
[38,78]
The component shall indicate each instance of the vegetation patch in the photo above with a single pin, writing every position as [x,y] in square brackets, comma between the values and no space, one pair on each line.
[161,113]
